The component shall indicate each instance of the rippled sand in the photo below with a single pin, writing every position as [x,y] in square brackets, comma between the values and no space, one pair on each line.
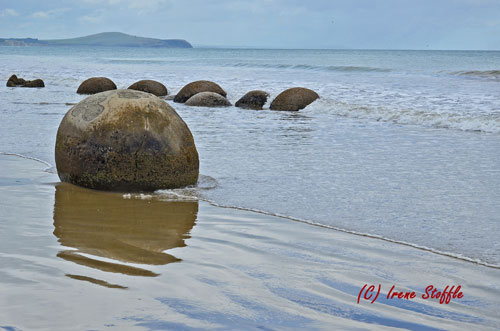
[74,259]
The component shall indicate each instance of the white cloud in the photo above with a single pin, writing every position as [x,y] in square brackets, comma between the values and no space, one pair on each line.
[8,12]
[493,23]
[109,2]
[140,6]
[146,6]
[49,13]
[40,14]
[95,17]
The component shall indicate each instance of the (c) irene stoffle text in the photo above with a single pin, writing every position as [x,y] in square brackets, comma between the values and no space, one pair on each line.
[371,293]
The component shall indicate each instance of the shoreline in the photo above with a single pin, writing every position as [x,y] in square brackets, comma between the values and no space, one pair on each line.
[207,266]
[361,234]
[294,219]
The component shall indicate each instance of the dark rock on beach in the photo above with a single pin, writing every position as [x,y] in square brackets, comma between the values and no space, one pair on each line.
[14,81]
[196,87]
[294,99]
[208,99]
[125,140]
[253,100]
[96,85]
[149,86]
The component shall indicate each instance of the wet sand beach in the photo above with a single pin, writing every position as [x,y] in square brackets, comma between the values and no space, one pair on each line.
[77,259]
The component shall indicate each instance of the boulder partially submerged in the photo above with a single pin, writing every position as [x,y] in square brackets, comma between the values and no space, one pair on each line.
[34,83]
[253,100]
[208,99]
[197,87]
[150,86]
[294,99]
[96,85]
[125,140]
[14,81]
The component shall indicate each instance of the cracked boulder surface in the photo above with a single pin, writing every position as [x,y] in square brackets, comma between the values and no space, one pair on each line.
[125,140]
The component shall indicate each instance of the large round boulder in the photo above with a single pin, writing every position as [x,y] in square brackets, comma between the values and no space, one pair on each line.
[196,87]
[150,86]
[96,85]
[125,140]
[295,98]
[253,100]
[208,99]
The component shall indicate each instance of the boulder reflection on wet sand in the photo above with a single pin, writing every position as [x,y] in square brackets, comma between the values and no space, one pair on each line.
[107,225]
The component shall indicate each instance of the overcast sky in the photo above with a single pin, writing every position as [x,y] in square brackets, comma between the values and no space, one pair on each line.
[382,24]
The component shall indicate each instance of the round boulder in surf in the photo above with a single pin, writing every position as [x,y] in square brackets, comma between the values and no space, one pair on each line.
[253,100]
[125,140]
[96,85]
[197,87]
[150,86]
[294,99]
[208,99]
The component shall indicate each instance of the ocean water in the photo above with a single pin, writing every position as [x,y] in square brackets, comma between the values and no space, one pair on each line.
[402,145]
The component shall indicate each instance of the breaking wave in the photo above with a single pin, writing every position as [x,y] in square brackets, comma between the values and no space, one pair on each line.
[490,74]
[309,67]
[489,123]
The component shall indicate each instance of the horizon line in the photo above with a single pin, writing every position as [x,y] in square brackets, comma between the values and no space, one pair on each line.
[208,46]
[341,48]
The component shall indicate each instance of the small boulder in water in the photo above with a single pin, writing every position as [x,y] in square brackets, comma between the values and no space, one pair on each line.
[196,87]
[96,85]
[253,100]
[14,81]
[294,99]
[125,140]
[149,86]
[208,99]
[34,83]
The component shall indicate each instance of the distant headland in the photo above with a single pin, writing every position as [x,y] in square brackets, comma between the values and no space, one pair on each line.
[116,39]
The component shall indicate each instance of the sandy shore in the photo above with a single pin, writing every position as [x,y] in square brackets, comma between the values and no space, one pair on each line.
[77,259]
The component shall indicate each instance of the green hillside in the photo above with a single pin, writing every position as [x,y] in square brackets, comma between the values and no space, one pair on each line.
[102,39]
